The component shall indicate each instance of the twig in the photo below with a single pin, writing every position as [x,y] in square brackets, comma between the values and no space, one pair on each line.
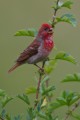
[41,73]
[38,87]
[55,11]
[73,109]
[37,93]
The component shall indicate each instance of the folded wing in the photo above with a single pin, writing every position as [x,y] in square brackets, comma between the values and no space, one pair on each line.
[30,51]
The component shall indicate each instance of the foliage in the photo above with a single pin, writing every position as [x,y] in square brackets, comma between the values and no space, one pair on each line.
[25,98]
[69,18]
[29,32]
[44,108]
[66,4]
[72,78]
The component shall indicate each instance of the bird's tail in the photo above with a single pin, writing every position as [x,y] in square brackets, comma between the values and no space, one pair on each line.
[14,67]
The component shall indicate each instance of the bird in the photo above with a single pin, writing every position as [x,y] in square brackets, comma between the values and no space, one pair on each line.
[39,49]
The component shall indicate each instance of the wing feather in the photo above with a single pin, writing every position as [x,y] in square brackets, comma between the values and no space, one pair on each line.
[31,50]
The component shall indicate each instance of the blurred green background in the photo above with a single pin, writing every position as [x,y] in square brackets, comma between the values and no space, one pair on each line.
[20,14]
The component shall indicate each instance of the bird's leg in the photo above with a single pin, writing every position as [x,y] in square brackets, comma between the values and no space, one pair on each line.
[39,67]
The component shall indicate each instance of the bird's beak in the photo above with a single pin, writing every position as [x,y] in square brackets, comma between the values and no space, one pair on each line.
[50,30]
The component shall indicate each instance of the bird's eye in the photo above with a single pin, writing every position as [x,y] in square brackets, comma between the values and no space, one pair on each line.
[45,29]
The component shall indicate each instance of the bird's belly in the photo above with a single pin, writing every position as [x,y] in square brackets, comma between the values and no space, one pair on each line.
[40,56]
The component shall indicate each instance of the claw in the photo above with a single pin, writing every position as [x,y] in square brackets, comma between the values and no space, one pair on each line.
[41,70]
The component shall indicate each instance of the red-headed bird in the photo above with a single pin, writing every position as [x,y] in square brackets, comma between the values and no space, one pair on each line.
[39,49]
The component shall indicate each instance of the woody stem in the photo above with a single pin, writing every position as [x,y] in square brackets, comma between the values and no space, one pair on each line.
[55,12]
[38,86]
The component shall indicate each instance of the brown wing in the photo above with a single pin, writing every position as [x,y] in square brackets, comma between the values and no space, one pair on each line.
[31,50]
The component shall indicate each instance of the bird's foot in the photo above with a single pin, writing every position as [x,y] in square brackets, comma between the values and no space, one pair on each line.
[41,70]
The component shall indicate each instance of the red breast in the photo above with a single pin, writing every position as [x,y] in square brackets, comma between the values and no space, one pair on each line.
[48,44]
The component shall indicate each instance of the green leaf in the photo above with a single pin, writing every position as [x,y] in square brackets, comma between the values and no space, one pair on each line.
[30,114]
[66,4]
[50,66]
[72,78]
[39,104]
[42,86]
[5,100]
[18,117]
[2,92]
[61,100]
[8,117]
[54,105]
[48,89]
[30,32]
[3,114]
[74,99]
[46,78]
[69,18]
[69,97]
[66,57]
[42,115]
[24,98]
[31,90]
[76,116]
[43,89]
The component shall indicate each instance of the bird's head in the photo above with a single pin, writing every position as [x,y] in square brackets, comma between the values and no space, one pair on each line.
[45,31]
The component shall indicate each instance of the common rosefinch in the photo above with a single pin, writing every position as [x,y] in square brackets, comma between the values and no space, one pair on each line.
[39,49]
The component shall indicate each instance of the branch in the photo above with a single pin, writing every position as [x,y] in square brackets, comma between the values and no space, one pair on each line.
[41,73]
[37,93]
[73,109]
[55,12]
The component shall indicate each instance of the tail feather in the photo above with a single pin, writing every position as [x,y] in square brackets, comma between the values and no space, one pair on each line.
[14,67]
